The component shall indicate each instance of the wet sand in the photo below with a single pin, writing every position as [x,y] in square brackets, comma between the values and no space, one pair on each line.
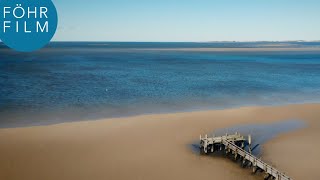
[155,147]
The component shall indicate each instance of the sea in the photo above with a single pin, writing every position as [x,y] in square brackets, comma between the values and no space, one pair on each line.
[75,81]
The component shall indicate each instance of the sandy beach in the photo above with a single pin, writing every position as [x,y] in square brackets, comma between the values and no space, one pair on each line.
[155,147]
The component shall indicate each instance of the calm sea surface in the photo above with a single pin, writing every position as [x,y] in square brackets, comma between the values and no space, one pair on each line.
[81,81]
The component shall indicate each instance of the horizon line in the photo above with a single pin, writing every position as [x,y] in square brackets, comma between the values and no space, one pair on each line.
[186,41]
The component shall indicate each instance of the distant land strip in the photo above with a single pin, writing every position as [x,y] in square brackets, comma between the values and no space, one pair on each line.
[253,49]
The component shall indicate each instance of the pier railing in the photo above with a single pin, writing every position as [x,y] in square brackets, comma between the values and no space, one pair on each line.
[228,141]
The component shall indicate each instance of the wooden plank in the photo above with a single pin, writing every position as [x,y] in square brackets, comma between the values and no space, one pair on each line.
[256,161]
[228,142]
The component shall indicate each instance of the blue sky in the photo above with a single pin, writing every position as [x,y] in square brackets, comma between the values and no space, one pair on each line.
[187,20]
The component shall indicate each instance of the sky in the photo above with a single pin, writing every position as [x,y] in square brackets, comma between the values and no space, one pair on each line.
[187,20]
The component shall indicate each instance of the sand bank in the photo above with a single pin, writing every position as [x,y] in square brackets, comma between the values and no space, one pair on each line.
[258,49]
[154,147]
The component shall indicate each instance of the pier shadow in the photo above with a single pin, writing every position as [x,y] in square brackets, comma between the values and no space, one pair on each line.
[260,133]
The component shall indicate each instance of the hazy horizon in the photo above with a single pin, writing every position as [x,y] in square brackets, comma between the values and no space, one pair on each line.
[187,21]
[189,41]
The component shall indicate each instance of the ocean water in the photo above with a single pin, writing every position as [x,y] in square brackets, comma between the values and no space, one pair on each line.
[82,81]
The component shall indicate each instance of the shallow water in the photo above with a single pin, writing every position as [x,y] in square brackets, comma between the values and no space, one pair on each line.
[260,133]
[81,81]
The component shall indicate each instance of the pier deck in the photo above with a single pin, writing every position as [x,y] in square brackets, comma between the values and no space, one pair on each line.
[235,145]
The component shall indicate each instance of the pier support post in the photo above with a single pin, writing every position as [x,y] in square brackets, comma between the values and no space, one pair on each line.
[236,155]
[244,163]
[267,176]
[221,147]
[234,147]
[202,151]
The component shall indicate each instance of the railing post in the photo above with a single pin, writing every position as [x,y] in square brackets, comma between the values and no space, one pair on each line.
[247,158]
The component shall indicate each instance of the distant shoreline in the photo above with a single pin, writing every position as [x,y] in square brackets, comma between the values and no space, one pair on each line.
[106,46]
[253,49]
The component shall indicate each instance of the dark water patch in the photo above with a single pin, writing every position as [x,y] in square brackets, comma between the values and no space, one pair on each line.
[260,133]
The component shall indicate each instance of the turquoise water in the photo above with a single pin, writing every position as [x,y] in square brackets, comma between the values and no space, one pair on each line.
[79,81]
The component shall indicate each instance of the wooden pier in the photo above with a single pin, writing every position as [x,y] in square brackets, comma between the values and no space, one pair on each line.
[235,144]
